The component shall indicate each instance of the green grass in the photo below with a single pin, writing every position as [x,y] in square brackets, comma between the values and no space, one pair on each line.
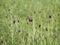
[15,28]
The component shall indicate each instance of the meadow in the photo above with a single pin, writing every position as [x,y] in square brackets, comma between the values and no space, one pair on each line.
[29,22]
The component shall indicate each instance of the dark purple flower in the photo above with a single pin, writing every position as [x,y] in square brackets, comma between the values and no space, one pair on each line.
[49,16]
[14,21]
[46,29]
[30,19]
